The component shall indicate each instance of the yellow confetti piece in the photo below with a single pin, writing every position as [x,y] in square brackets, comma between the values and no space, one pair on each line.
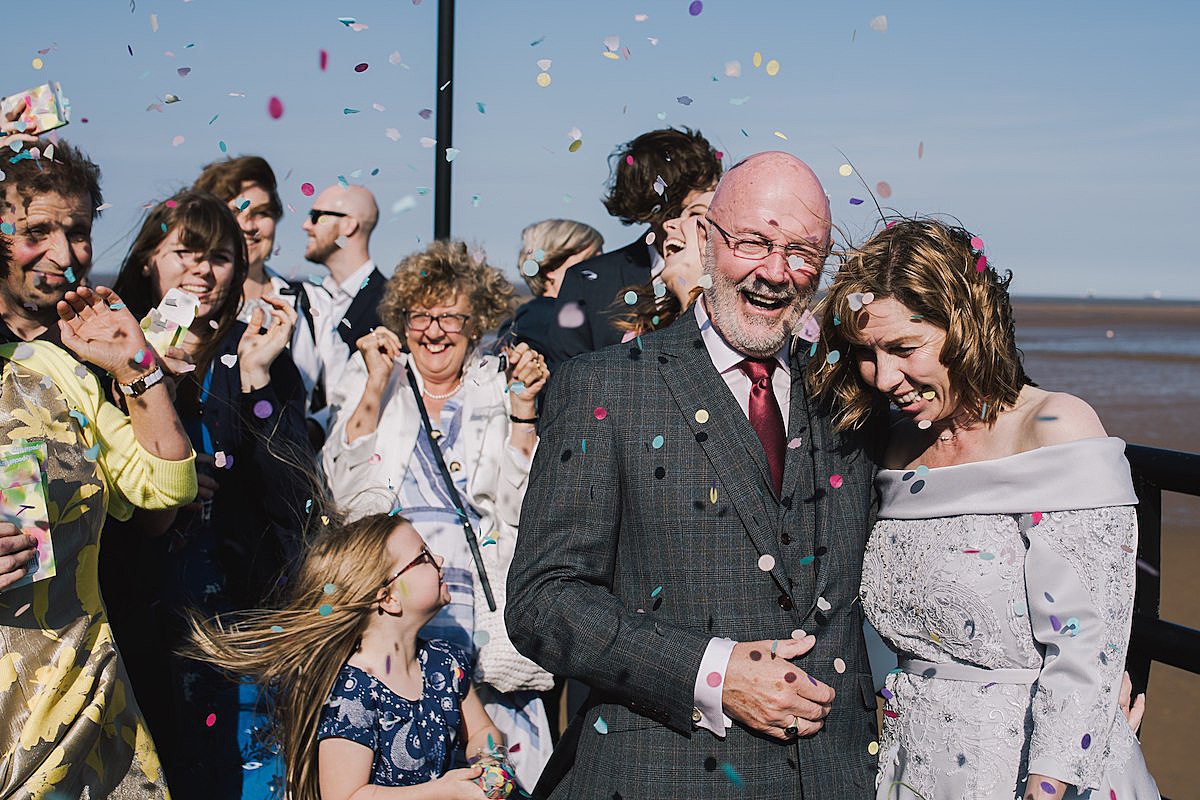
[702,416]
[543,79]
[712,495]
[781,135]
[845,170]
[772,68]
[757,61]
[873,748]
[575,145]
[38,63]
[610,54]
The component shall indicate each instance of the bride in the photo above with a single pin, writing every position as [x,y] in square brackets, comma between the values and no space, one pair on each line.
[1001,568]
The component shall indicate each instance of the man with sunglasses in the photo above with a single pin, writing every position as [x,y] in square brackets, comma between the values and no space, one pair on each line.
[342,309]
[690,515]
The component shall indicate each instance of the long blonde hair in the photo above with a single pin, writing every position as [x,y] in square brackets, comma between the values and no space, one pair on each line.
[301,647]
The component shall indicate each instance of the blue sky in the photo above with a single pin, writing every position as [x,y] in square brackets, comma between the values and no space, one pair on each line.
[1065,134]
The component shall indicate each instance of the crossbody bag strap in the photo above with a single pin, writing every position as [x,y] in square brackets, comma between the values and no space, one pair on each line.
[472,541]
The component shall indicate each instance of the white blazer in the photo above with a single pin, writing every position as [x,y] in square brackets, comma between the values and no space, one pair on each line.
[364,476]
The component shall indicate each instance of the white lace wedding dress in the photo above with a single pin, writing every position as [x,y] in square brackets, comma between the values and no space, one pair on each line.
[1006,588]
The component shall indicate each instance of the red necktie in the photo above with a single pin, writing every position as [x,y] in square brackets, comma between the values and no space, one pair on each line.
[765,417]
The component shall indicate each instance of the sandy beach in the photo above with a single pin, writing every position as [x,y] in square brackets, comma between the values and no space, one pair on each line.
[1138,364]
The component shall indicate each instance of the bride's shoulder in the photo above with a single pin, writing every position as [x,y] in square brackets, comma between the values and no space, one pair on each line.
[1051,418]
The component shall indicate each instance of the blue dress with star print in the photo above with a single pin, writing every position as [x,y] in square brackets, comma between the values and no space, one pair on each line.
[413,740]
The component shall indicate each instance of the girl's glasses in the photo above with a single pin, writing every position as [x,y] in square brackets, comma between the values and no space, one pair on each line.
[425,557]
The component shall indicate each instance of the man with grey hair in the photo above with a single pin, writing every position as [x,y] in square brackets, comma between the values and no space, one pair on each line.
[681,533]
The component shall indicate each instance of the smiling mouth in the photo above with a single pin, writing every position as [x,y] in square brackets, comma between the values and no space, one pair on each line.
[51,278]
[436,347]
[765,302]
[672,246]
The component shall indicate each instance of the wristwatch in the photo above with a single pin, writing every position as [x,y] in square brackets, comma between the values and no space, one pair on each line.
[142,384]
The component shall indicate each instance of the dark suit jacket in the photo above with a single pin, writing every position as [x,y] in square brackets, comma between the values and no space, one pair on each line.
[631,556]
[594,285]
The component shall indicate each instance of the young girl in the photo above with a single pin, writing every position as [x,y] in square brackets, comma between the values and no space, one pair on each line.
[363,702]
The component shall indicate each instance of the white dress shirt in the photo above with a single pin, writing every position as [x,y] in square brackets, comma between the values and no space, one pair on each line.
[329,302]
[726,359]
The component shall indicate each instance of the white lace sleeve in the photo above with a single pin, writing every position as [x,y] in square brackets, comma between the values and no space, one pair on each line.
[1079,579]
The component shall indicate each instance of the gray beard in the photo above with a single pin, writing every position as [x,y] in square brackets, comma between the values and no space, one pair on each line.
[758,339]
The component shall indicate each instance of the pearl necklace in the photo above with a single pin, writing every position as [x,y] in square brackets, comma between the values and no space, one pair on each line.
[450,393]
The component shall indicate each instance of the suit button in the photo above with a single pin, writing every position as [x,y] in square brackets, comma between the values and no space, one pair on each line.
[785,602]
[455,466]
[696,715]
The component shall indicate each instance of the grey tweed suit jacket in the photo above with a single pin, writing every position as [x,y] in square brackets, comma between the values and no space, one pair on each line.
[642,535]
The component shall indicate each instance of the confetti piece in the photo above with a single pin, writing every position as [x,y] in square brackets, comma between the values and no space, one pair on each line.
[229,359]
[427,141]
[879,24]
[176,141]
[392,134]
[657,442]
[920,150]
[835,481]
[757,60]
[481,637]
[766,562]
[395,59]
[37,63]
[845,170]
[601,726]
[733,69]
[839,666]
[222,146]
[1086,742]
[631,297]
[575,145]
[600,413]
[772,68]
[363,67]
[1048,787]
[713,679]
[657,591]
[702,416]
[833,357]
[262,409]
[824,604]
[859,299]
[683,100]
[730,773]
[452,153]
[695,8]
[325,610]
[873,748]
[571,314]
[981,264]
[883,189]
[154,23]
[856,201]
[781,135]
[7,228]
[210,720]
[348,111]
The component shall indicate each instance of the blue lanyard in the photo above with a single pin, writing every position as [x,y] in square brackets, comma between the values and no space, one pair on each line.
[206,444]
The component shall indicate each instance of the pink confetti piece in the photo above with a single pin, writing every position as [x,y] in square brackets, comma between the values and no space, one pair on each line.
[323,59]
[981,264]
[210,720]
[275,107]
[713,679]
[361,67]
[600,413]
[835,481]
[307,189]
[883,189]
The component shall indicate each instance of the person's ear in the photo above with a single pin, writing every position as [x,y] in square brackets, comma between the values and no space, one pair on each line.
[350,226]
[702,237]
[388,602]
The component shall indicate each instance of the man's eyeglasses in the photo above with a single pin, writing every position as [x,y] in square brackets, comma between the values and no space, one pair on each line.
[425,557]
[315,214]
[449,323]
[757,249]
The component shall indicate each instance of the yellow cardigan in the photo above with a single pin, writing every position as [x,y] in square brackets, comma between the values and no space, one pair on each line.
[135,477]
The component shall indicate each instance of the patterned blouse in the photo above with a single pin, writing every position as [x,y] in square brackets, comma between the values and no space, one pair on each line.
[413,740]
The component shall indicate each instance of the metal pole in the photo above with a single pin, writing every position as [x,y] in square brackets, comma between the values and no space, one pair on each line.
[445,119]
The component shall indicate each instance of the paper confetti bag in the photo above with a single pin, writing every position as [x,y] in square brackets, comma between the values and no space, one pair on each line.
[23,503]
[165,325]
[46,105]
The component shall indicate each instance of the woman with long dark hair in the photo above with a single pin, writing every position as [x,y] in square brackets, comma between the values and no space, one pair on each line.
[241,401]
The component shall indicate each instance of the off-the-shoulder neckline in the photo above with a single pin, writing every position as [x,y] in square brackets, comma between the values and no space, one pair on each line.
[1072,443]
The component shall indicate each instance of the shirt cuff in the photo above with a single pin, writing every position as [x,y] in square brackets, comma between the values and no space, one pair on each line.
[708,713]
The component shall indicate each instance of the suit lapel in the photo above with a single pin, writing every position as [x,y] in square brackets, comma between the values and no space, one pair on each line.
[363,311]
[808,470]
[727,439]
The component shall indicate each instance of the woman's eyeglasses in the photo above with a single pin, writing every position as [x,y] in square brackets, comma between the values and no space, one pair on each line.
[315,214]
[425,557]
[449,323]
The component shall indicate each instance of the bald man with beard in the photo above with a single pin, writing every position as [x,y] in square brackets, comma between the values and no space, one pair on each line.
[681,533]
[344,307]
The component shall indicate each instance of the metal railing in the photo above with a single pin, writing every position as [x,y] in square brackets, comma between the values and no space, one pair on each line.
[1153,639]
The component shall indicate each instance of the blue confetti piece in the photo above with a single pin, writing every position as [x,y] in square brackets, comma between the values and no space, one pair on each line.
[79,417]
[481,108]
[325,610]
[518,387]
[214,119]
[601,726]
[583,446]
[117,306]
[7,228]
[732,774]
[658,442]
[656,592]
[70,275]
[349,111]
[224,148]
[808,560]
[93,452]
[812,351]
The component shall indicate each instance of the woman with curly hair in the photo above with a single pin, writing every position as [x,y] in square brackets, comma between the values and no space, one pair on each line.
[482,410]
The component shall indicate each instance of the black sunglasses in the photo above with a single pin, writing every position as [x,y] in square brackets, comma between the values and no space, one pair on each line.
[425,557]
[315,214]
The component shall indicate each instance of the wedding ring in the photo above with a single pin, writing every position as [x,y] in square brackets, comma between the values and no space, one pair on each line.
[792,729]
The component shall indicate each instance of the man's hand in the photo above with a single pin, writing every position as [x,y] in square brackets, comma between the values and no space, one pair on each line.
[766,693]
[16,554]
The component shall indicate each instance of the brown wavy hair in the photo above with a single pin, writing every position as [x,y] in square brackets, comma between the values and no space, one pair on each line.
[225,178]
[934,271]
[69,173]
[301,647]
[683,158]
[436,275]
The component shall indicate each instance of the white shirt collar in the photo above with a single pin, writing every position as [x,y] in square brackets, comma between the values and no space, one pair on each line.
[350,286]
[723,355]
